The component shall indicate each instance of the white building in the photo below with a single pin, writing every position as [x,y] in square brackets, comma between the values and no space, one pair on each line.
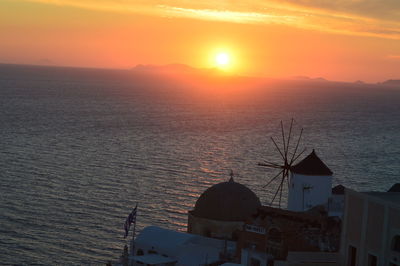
[309,258]
[310,184]
[159,246]
[336,202]
[371,229]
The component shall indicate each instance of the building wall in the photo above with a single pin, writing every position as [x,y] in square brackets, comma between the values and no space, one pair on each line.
[393,229]
[375,227]
[248,254]
[306,191]
[213,228]
[336,205]
[309,258]
[297,233]
[369,225]
[355,218]
[248,240]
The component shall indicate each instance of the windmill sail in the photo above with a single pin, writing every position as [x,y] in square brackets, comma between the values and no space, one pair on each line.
[288,158]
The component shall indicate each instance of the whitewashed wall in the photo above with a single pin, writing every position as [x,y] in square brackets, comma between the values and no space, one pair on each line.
[307,191]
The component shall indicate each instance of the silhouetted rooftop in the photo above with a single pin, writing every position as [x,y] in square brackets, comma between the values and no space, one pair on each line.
[338,190]
[395,188]
[311,165]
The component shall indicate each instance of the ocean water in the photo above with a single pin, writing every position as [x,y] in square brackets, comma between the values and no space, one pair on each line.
[79,148]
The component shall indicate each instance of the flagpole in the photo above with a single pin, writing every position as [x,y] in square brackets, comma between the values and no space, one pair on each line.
[133,234]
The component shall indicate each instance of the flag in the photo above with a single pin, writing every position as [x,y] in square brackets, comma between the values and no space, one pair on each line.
[130,220]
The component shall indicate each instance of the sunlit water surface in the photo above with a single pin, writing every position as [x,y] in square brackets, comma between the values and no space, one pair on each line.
[79,148]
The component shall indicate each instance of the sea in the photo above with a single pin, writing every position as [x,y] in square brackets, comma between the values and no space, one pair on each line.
[79,148]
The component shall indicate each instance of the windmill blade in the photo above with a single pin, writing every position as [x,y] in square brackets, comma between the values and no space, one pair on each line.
[269,165]
[288,141]
[276,193]
[284,141]
[287,178]
[272,179]
[276,146]
[297,146]
[280,194]
[299,155]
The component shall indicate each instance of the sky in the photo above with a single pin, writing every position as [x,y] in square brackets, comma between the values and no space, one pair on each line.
[344,40]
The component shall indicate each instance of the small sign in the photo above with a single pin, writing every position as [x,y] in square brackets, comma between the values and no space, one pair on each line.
[255,229]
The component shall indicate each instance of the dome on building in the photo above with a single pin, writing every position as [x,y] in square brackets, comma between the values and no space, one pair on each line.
[227,201]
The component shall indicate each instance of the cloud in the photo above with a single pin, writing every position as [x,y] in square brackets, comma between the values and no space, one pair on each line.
[356,17]
[397,57]
[227,15]
[378,9]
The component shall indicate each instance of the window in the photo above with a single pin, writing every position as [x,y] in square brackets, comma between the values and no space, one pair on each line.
[372,260]
[351,256]
[396,243]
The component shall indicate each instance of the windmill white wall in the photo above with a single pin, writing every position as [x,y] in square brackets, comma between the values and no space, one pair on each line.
[310,184]
[307,191]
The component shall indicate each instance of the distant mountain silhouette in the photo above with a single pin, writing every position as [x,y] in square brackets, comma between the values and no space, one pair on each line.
[181,76]
[169,67]
[320,79]
[178,75]
[175,69]
[203,77]
[301,77]
[182,70]
[391,82]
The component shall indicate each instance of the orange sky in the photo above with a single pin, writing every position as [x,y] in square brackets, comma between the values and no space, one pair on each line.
[339,39]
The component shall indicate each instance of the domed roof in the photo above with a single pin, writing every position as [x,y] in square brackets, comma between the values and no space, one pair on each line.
[227,201]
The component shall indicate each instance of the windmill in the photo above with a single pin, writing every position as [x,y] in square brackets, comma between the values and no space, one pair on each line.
[288,154]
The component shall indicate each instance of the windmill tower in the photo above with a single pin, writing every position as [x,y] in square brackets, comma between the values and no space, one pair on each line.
[309,181]
[310,184]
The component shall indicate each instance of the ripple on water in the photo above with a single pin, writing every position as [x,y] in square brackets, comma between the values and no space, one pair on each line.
[75,157]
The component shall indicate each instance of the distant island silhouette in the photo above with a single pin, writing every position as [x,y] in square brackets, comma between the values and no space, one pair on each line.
[392,82]
[177,69]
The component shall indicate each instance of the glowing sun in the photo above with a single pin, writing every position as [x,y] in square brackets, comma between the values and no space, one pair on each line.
[222,59]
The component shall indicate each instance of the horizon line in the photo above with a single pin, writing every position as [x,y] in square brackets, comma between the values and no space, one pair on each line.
[132,68]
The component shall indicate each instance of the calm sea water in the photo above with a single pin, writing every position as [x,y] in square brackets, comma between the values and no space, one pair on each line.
[79,148]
